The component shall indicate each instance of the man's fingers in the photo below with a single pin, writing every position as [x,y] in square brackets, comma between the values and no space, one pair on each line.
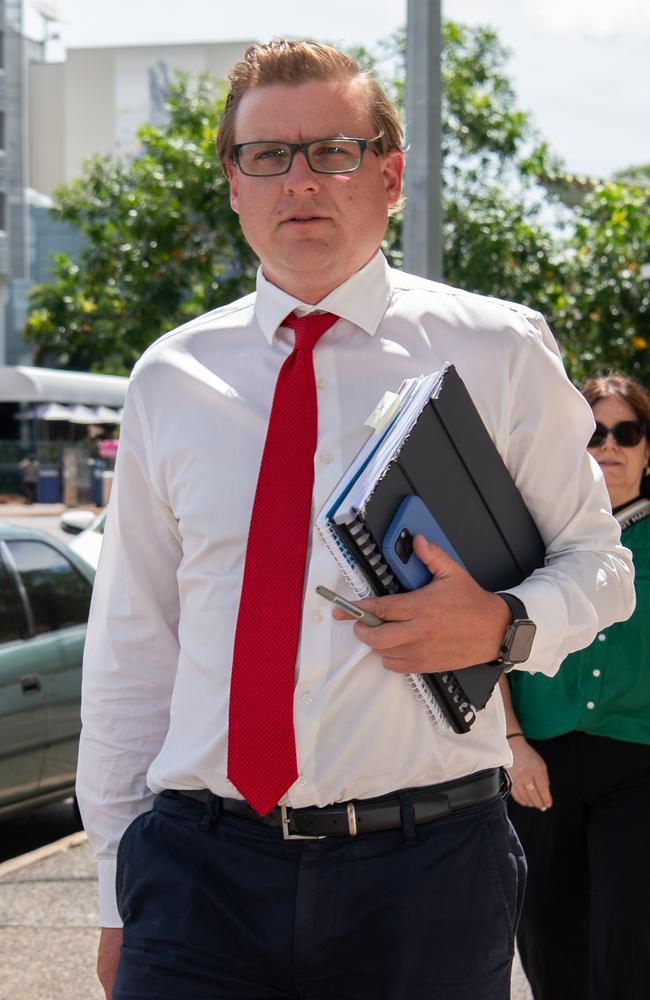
[406,607]
[396,608]
[397,665]
[392,636]
[434,558]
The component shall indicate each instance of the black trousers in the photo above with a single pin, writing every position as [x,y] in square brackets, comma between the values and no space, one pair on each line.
[585,927]
[219,907]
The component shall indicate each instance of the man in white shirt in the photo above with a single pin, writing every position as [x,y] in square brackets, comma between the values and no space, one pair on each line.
[215,901]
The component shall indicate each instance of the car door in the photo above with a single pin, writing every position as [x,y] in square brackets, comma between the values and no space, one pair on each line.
[59,599]
[23,702]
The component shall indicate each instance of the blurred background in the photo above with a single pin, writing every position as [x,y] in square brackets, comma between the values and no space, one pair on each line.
[114,217]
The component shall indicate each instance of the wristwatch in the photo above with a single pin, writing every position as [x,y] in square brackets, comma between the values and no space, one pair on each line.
[518,640]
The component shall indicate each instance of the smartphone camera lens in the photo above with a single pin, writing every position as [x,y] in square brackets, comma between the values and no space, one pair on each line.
[404,545]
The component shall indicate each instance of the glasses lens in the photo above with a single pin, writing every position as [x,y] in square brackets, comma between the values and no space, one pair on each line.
[598,436]
[627,434]
[264,159]
[334,156]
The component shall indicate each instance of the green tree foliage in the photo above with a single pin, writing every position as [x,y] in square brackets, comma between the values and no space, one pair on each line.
[162,244]
[602,310]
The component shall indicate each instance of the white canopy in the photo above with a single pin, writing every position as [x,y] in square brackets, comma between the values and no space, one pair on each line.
[22,384]
[78,414]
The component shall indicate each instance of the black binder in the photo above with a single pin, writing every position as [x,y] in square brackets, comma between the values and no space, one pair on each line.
[449,461]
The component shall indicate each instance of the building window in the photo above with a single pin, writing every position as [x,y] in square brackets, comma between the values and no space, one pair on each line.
[3,211]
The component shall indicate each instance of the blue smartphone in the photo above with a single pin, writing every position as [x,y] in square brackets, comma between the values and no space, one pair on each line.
[413,517]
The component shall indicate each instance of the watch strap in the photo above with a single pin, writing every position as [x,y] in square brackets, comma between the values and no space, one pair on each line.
[520,620]
[517,607]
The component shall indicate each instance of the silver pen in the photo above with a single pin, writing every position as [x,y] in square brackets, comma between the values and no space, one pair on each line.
[366,617]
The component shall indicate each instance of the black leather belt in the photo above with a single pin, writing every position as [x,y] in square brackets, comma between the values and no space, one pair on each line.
[367,815]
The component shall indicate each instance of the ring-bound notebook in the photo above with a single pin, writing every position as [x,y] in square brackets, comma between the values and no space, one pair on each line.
[436,447]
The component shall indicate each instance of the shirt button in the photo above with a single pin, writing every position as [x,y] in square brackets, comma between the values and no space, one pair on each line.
[306,698]
[327,457]
[591,704]
[596,673]
[302,779]
[602,637]
[317,616]
[323,383]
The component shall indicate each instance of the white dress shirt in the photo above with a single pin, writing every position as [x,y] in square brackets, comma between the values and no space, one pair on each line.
[160,638]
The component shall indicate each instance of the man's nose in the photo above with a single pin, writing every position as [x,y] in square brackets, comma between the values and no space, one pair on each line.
[300,176]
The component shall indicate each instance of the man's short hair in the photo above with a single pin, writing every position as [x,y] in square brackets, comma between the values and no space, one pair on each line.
[293,62]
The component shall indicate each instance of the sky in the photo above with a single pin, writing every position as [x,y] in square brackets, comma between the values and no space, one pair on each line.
[579,66]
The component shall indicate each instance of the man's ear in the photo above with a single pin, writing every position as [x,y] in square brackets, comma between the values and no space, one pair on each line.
[392,168]
[231,174]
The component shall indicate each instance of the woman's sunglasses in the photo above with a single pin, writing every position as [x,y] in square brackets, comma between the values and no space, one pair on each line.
[626,433]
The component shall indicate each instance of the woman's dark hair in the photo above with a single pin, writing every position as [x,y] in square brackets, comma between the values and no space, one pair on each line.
[627,389]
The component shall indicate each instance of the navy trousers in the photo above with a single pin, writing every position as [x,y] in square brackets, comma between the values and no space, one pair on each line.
[218,907]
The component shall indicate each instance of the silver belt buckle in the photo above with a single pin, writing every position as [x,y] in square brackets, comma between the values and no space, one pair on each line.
[286,833]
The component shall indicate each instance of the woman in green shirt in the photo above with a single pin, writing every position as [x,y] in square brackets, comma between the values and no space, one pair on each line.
[581,770]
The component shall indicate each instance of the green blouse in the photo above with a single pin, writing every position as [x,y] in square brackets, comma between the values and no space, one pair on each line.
[603,689]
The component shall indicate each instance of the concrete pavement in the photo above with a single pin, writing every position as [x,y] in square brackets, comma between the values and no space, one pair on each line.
[49,921]
[49,926]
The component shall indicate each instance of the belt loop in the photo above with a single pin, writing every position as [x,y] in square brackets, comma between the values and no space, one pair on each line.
[212,812]
[408,817]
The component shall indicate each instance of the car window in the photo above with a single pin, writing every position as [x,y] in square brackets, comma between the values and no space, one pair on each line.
[58,593]
[11,615]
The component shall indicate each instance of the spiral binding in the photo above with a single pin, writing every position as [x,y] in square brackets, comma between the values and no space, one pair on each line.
[346,564]
[421,691]
[361,587]
[367,545]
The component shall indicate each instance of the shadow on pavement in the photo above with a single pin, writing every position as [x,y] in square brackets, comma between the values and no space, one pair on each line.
[26,832]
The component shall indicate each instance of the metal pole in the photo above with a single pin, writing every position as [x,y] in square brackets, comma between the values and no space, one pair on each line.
[423,210]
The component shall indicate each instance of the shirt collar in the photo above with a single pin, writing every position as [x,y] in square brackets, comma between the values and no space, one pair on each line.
[362,299]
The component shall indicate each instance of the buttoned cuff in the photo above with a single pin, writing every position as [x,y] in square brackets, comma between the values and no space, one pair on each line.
[108,912]
[546,606]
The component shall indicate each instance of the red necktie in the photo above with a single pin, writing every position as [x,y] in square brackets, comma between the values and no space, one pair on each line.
[261,743]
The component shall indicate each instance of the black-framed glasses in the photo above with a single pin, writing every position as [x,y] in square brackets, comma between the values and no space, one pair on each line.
[341,154]
[626,433]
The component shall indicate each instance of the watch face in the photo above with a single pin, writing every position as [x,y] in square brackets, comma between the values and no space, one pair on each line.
[521,642]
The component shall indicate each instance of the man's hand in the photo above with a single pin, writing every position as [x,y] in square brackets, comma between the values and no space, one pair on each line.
[530,784]
[449,624]
[108,957]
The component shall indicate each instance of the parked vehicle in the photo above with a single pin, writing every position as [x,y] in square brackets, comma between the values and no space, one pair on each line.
[44,601]
[89,532]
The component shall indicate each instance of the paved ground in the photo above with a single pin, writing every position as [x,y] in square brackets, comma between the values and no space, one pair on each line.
[49,921]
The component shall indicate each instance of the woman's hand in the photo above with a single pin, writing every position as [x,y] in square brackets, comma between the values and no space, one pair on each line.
[530,784]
